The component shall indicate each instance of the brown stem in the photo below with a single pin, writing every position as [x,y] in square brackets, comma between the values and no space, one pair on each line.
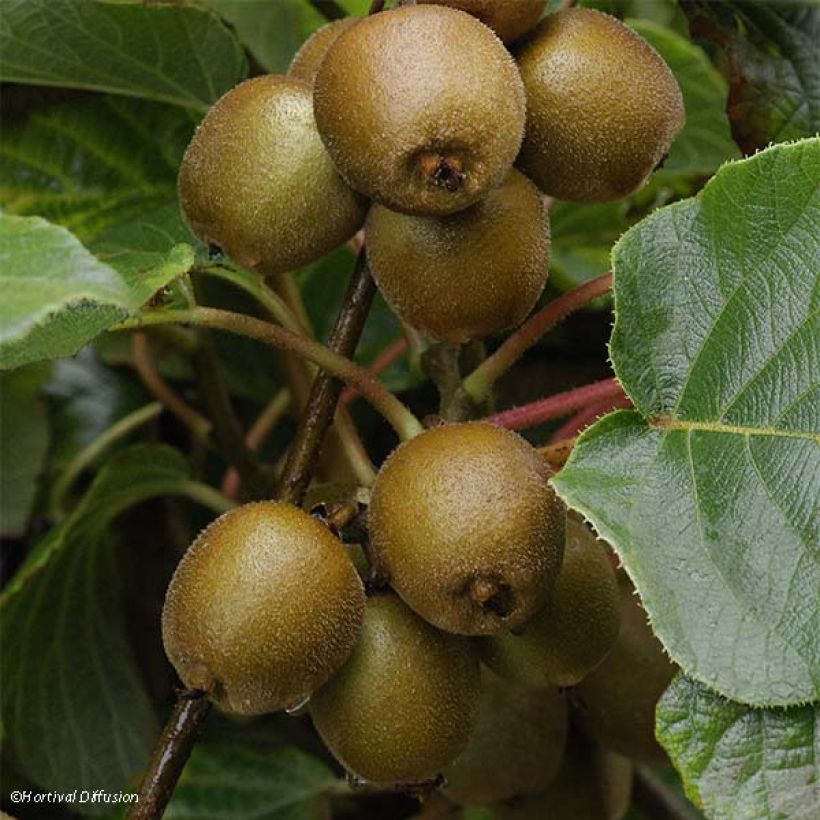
[162,391]
[324,394]
[170,755]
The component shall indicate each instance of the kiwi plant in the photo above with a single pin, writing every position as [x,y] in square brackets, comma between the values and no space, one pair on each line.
[408,122]
[489,653]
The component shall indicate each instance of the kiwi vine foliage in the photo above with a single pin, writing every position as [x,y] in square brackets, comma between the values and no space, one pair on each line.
[711,504]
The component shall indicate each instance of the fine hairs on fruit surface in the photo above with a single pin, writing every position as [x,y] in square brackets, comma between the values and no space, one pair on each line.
[257,182]
[467,275]
[573,632]
[421,107]
[592,784]
[509,20]
[263,608]
[486,532]
[516,746]
[305,63]
[602,107]
[616,702]
[403,706]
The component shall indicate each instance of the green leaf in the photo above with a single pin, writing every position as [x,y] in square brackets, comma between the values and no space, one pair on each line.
[235,781]
[704,143]
[272,32]
[738,761]
[23,444]
[101,167]
[73,701]
[770,51]
[170,53]
[58,295]
[709,493]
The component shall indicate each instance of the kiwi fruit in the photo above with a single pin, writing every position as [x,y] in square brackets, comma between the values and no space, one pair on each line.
[263,608]
[602,107]
[421,107]
[257,183]
[577,627]
[516,747]
[616,702]
[467,275]
[466,528]
[592,784]
[305,63]
[403,706]
[509,20]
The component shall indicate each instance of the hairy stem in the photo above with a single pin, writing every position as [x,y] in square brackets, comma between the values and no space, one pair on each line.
[380,364]
[199,426]
[403,421]
[254,286]
[553,407]
[587,415]
[480,382]
[89,454]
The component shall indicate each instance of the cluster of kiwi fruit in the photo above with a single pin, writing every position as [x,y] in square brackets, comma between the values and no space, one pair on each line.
[442,129]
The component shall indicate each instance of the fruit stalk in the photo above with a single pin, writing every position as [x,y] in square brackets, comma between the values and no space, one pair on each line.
[553,407]
[480,382]
[329,9]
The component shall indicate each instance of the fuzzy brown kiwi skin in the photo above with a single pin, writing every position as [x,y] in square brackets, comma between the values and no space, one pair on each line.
[508,20]
[616,702]
[467,275]
[421,108]
[516,747]
[577,627]
[486,536]
[602,107]
[263,608]
[403,706]
[257,182]
[305,63]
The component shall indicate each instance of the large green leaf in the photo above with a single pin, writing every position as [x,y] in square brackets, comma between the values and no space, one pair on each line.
[234,781]
[704,143]
[742,762]
[272,32]
[770,50]
[710,492]
[58,296]
[101,168]
[73,703]
[170,53]
[23,444]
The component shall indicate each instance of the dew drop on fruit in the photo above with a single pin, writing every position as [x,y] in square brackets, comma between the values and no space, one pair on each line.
[355,782]
[298,708]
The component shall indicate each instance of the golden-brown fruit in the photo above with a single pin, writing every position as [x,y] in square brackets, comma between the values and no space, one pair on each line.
[263,608]
[402,708]
[466,275]
[421,108]
[577,627]
[509,19]
[516,747]
[466,527]
[602,107]
[257,182]
[616,702]
[593,784]
[305,63]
